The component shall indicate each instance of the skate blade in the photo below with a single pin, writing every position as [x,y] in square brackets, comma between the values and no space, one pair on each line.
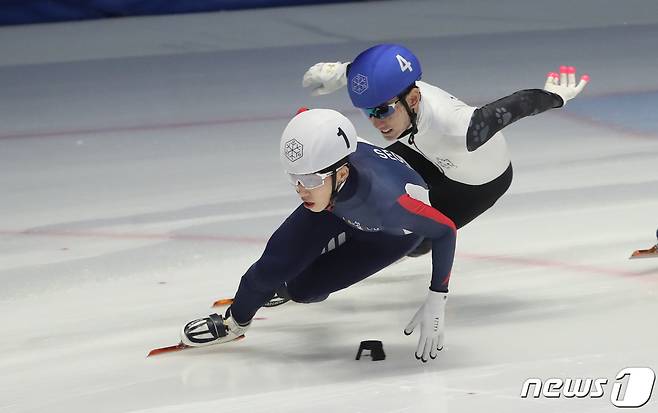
[650,253]
[222,302]
[169,349]
[180,347]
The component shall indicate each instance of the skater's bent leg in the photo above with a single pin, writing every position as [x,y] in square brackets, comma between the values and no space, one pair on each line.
[357,259]
[463,203]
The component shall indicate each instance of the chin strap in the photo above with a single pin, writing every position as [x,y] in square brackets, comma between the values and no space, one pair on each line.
[335,188]
[413,128]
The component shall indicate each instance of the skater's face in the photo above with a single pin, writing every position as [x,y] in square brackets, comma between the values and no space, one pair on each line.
[391,127]
[317,199]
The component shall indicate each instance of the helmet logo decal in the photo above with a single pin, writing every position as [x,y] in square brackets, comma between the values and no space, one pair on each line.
[359,83]
[294,150]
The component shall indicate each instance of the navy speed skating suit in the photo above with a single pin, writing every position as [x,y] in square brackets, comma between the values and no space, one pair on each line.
[381,213]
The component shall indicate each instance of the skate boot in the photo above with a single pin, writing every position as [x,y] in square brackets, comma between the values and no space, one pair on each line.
[214,329]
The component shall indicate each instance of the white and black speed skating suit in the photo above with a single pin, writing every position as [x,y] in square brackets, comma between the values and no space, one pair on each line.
[460,152]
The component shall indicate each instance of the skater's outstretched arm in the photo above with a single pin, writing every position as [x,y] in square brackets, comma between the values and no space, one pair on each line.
[413,213]
[419,217]
[489,119]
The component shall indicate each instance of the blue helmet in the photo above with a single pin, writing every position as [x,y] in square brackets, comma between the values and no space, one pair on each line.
[380,73]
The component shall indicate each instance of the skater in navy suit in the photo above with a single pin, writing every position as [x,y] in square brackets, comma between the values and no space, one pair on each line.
[363,208]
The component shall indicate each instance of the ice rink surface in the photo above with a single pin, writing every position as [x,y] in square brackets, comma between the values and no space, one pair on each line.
[139,179]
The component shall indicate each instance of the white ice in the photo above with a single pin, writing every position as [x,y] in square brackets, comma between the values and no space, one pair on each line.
[139,178]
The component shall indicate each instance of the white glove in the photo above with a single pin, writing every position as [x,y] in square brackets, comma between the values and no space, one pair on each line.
[431,316]
[325,78]
[564,84]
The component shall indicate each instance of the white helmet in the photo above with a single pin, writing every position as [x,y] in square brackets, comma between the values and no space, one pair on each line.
[315,140]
